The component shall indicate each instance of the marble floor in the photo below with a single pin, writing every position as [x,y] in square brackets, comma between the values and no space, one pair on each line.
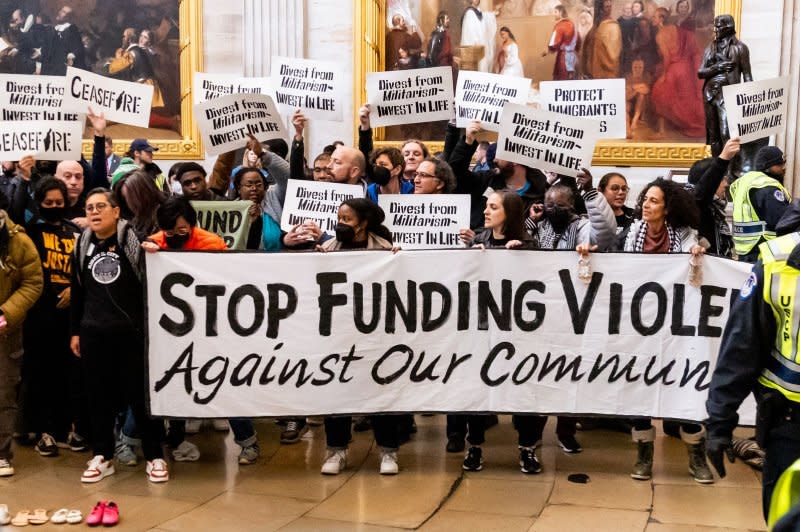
[285,491]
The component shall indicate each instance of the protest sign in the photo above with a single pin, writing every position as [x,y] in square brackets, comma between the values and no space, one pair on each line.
[481,96]
[211,86]
[33,98]
[756,109]
[426,221]
[120,101]
[44,140]
[603,99]
[410,96]
[314,86]
[549,141]
[433,331]
[225,122]
[228,219]
[316,201]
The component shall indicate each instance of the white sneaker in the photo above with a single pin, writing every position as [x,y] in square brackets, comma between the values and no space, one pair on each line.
[334,462]
[389,463]
[186,452]
[157,471]
[193,426]
[5,518]
[220,425]
[97,469]
[6,469]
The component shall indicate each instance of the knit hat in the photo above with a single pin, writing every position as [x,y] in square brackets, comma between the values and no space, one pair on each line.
[126,165]
[768,156]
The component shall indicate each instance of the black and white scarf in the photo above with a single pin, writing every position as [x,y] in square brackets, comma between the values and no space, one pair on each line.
[674,239]
[548,238]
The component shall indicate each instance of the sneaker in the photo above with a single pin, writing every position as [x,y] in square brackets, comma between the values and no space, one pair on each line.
[473,461]
[569,444]
[389,463]
[294,431]
[77,443]
[249,454]
[157,471]
[125,455]
[698,467]
[6,469]
[528,463]
[335,461]
[47,446]
[455,444]
[315,421]
[97,469]
[186,452]
[193,426]
[220,425]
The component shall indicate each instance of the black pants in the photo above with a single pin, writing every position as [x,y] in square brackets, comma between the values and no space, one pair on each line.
[337,431]
[113,366]
[530,428]
[470,426]
[644,423]
[782,450]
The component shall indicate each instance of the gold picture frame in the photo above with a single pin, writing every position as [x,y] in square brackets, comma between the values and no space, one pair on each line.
[369,30]
[189,146]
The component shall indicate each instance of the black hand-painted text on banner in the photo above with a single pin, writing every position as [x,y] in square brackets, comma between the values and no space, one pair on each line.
[433,330]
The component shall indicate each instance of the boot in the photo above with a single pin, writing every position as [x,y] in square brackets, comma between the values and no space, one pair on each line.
[643,468]
[698,467]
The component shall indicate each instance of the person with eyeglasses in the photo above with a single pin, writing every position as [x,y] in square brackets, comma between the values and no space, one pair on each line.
[107,333]
[614,187]
[434,176]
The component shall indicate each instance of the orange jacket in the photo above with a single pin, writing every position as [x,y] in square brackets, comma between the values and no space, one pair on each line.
[200,239]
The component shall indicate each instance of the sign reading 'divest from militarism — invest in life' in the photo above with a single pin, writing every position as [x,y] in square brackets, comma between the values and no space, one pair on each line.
[226,122]
[426,221]
[213,86]
[33,98]
[410,96]
[756,109]
[481,96]
[316,87]
[546,140]
[603,99]
[120,101]
[316,201]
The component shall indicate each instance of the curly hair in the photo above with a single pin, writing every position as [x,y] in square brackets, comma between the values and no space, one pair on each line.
[369,212]
[679,205]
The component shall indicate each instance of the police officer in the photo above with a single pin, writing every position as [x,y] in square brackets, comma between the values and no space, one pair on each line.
[759,201]
[760,353]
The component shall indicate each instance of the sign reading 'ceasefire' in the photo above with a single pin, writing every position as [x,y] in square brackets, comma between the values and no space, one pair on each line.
[120,101]
[433,331]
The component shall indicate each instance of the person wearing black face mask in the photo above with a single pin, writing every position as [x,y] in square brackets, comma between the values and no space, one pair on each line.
[52,380]
[384,173]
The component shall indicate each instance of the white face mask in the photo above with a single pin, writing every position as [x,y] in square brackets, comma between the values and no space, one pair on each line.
[177,189]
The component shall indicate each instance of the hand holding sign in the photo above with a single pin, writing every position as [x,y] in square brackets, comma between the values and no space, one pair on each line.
[25,167]
[730,149]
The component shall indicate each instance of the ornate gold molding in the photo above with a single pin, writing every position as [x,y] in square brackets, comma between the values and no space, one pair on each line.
[368,47]
[191,61]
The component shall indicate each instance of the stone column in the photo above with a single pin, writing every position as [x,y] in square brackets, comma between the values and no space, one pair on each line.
[271,27]
[790,66]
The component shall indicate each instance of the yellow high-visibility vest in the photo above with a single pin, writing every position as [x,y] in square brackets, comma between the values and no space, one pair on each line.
[748,228]
[785,495]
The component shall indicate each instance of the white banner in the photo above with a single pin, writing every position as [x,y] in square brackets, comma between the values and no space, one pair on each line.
[549,141]
[225,122]
[426,221]
[602,99]
[121,101]
[33,98]
[212,86]
[316,87]
[410,96]
[44,140]
[756,109]
[433,331]
[481,96]
[316,201]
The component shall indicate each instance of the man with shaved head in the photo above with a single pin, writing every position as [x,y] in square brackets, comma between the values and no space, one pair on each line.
[71,173]
[347,165]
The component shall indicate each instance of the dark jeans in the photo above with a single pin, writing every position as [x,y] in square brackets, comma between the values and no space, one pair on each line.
[645,423]
[782,450]
[337,431]
[471,426]
[9,381]
[244,433]
[530,428]
[113,366]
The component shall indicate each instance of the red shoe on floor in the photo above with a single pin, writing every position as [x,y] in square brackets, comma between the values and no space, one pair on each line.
[111,514]
[95,518]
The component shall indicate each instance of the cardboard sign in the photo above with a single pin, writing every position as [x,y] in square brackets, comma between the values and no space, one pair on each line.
[361,332]
[481,96]
[212,86]
[225,122]
[316,87]
[756,109]
[410,96]
[45,140]
[426,221]
[316,201]
[121,101]
[228,219]
[603,99]
[549,141]
[33,98]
